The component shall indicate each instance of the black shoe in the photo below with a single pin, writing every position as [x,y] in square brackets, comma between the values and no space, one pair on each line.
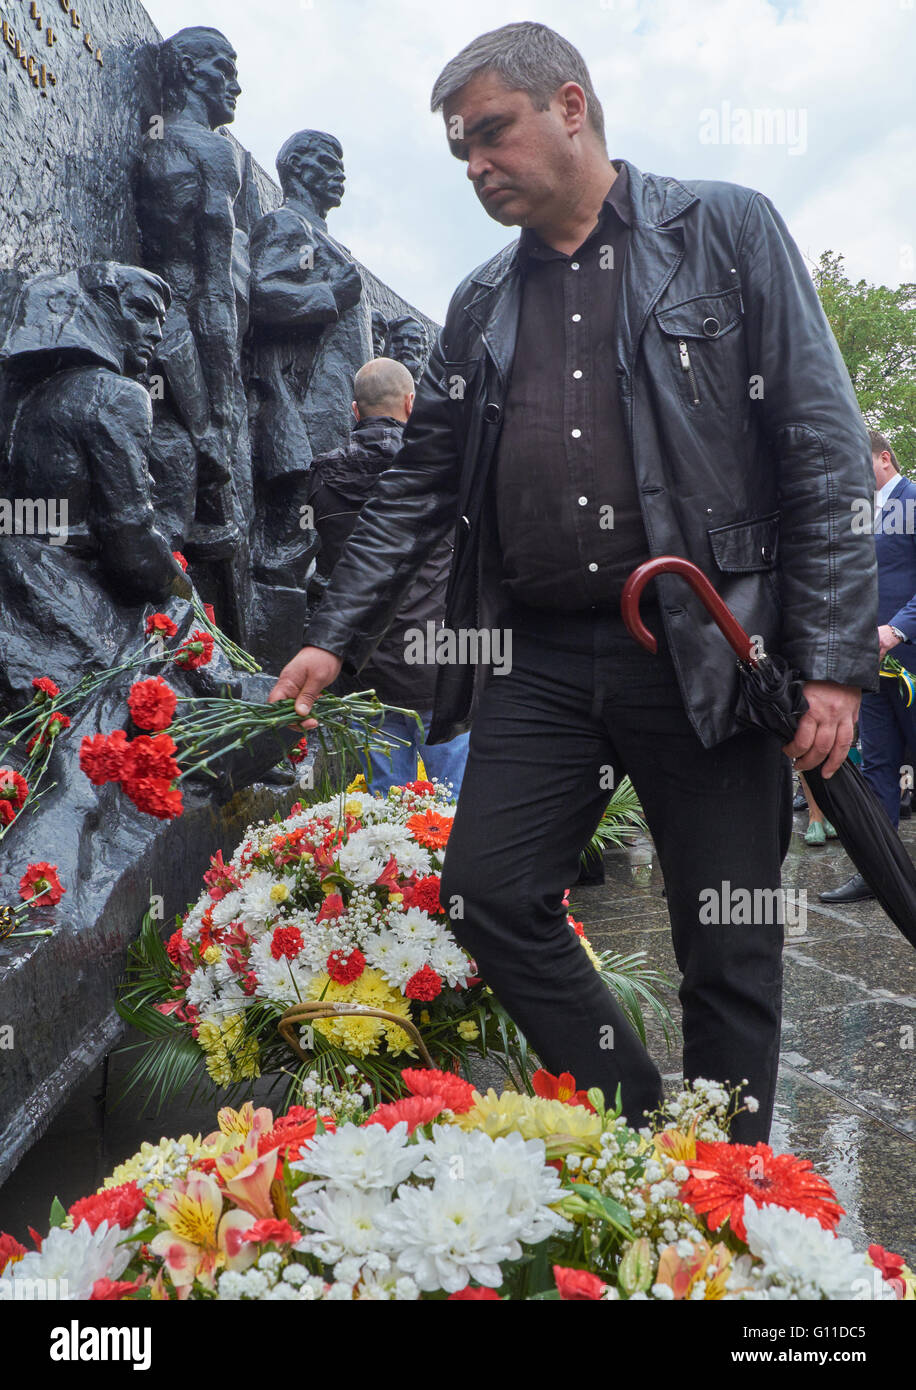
[854,890]
[799,803]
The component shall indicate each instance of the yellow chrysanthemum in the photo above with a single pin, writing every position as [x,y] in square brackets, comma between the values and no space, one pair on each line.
[279,893]
[156,1166]
[230,1056]
[533,1118]
[353,807]
[360,1035]
[213,955]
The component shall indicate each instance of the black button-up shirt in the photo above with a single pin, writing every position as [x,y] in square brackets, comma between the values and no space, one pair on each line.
[570,525]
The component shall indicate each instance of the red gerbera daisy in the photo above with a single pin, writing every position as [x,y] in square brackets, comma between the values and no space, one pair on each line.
[41,884]
[195,651]
[562,1087]
[722,1175]
[152,704]
[344,969]
[112,1290]
[13,788]
[416,1110]
[429,829]
[161,622]
[577,1284]
[46,689]
[424,984]
[454,1092]
[102,757]
[470,1295]
[119,1206]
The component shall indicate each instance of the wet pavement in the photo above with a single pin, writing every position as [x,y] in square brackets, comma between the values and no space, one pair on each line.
[846,1094]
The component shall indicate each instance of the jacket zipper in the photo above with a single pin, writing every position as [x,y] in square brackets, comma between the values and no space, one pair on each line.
[687,366]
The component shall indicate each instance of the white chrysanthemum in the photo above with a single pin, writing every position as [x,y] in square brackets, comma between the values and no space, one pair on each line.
[201,991]
[281,981]
[518,1165]
[380,948]
[342,1221]
[448,960]
[798,1254]
[69,1262]
[417,925]
[228,909]
[255,901]
[190,927]
[453,1232]
[361,1156]
[360,860]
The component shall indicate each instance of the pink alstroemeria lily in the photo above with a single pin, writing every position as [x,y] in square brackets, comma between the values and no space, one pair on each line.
[200,1240]
[249,1187]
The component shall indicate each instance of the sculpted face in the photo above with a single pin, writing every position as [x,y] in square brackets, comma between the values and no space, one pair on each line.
[321,171]
[517,157]
[214,77]
[143,313]
[408,346]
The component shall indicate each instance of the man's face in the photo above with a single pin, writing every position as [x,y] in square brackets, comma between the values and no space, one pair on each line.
[516,156]
[408,346]
[322,172]
[215,79]
[142,316]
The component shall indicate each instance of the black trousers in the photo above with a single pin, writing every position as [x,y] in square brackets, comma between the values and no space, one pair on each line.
[583,697]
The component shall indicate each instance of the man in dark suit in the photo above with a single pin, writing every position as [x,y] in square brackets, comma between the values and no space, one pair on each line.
[886,723]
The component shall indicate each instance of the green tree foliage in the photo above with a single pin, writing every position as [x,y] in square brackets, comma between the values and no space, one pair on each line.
[876,331]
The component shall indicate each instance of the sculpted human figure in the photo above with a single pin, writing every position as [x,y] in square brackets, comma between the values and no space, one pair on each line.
[187,184]
[81,427]
[408,344]
[310,333]
[379,333]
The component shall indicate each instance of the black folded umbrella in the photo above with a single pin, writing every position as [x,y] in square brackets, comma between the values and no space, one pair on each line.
[770,697]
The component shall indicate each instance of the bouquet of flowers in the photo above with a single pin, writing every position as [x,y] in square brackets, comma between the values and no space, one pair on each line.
[324,938]
[448,1193]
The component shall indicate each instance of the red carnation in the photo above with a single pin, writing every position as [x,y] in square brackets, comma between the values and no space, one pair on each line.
[577,1284]
[41,884]
[286,941]
[195,651]
[161,622]
[150,757]
[45,687]
[470,1295]
[119,1206]
[416,1110]
[155,796]
[454,1092]
[10,1250]
[424,894]
[344,969]
[332,906]
[300,751]
[152,704]
[177,555]
[7,813]
[102,757]
[49,731]
[291,1133]
[424,984]
[722,1175]
[211,614]
[13,788]
[420,788]
[271,1231]
[111,1290]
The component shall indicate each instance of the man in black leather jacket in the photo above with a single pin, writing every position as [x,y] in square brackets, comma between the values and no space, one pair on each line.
[747,455]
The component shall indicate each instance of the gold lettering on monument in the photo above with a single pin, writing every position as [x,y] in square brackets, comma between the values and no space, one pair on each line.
[38,72]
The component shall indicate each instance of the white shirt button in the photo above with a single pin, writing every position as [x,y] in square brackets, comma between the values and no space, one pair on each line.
[577,374]
[575,433]
[583,501]
[593,567]
[576,318]
[574,265]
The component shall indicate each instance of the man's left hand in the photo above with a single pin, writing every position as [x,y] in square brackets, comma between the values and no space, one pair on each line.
[825,731]
[887,639]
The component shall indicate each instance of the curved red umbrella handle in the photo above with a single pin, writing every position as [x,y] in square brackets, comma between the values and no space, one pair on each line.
[725,619]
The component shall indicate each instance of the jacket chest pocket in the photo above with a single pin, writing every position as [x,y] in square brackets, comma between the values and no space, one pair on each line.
[704,349]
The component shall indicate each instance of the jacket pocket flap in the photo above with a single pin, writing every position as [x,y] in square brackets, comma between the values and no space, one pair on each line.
[706,316]
[746,545]
[457,375]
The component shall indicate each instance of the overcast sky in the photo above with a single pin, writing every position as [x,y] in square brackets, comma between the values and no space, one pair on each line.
[673,76]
